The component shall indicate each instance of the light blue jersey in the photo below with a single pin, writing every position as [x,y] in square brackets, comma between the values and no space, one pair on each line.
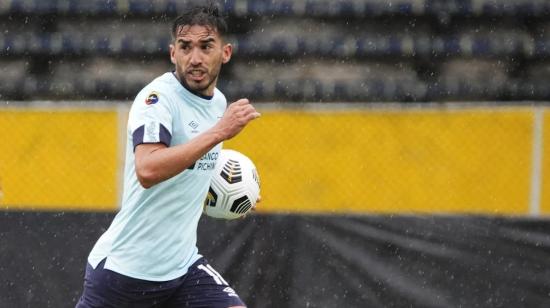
[153,237]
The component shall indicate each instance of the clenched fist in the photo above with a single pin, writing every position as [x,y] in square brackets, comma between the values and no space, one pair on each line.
[236,117]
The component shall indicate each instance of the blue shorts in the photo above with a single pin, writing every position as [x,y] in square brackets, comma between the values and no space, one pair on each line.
[202,286]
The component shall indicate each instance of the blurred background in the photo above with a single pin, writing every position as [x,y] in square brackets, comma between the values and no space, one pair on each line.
[403,149]
[286,51]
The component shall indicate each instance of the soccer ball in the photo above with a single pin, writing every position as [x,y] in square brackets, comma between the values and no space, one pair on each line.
[234,188]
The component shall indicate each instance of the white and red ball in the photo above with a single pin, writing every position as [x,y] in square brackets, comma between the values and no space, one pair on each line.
[235,186]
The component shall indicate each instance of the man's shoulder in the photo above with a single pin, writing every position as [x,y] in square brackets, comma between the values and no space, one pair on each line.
[162,83]
[220,98]
[162,86]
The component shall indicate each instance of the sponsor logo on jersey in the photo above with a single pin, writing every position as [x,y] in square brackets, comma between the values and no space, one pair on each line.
[152,98]
[194,126]
[207,162]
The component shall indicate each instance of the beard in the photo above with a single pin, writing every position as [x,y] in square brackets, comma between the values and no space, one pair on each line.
[200,86]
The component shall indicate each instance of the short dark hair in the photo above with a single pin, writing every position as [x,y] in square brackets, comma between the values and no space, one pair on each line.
[203,15]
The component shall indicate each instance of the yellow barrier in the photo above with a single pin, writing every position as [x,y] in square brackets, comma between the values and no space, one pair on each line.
[458,161]
[476,160]
[59,159]
[545,167]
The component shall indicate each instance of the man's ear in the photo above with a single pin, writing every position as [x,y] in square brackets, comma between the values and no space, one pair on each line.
[226,53]
[173,53]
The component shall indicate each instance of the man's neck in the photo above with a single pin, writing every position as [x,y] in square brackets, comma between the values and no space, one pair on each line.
[186,86]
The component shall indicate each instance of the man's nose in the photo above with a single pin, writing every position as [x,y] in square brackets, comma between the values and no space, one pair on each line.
[196,56]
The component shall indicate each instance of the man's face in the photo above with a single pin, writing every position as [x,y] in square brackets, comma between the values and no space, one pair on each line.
[198,53]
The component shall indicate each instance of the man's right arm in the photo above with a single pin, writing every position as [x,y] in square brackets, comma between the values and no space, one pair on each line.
[156,162]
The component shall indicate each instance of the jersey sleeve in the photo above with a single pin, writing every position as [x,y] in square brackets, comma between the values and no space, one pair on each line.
[150,119]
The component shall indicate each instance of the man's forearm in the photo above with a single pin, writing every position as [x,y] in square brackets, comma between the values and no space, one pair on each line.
[156,162]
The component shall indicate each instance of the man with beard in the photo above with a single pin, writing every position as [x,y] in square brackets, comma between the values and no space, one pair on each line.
[148,256]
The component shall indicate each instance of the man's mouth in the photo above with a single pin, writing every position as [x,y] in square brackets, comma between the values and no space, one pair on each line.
[196,75]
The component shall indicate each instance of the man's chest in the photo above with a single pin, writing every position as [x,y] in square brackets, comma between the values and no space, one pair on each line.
[188,123]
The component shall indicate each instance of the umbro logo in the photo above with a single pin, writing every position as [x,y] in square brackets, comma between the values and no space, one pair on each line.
[193,124]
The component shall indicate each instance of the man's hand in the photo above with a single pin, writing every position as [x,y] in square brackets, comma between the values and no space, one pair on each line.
[236,117]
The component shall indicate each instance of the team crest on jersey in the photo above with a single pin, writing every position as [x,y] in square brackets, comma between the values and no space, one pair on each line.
[152,98]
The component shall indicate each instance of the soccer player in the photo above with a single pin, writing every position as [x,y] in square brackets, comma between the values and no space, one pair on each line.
[148,256]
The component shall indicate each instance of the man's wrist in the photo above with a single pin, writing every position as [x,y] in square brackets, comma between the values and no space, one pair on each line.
[217,135]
